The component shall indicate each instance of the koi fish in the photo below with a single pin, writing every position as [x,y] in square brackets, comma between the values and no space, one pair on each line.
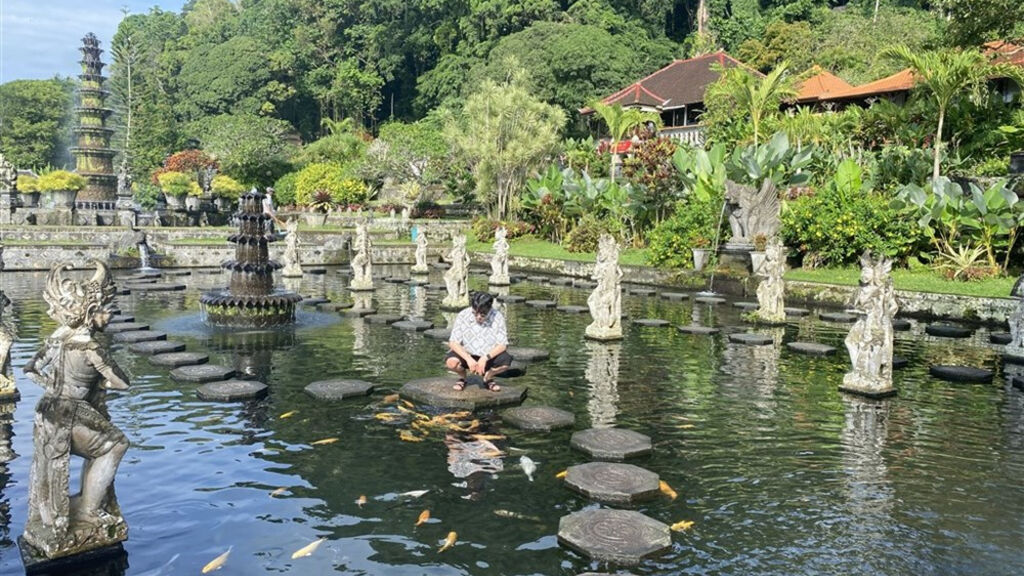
[386,416]
[488,436]
[561,474]
[288,414]
[667,490]
[331,440]
[681,525]
[408,404]
[685,426]
[516,515]
[279,491]
[448,542]
[424,516]
[390,399]
[407,436]
[308,549]
[528,466]
[414,493]
[361,500]
[217,562]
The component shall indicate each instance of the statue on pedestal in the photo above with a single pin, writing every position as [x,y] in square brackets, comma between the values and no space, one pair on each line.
[605,301]
[8,390]
[421,253]
[8,175]
[292,267]
[870,339]
[362,265]
[75,370]
[456,278]
[1015,348]
[771,291]
[499,262]
[752,212]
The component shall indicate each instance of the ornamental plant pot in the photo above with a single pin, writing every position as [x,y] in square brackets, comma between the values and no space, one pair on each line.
[29,199]
[700,258]
[192,203]
[61,199]
[174,202]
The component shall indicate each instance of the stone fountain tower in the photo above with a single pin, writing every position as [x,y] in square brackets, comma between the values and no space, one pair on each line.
[94,157]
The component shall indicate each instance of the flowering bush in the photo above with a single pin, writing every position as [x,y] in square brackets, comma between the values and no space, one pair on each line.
[344,188]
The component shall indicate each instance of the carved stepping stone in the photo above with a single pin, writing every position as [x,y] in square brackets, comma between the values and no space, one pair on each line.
[314,301]
[338,389]
[157,347]
[138,336]
[948,330]
[413,325]
[960,373]
[121,318]
[643,291]
[573,309]
[652,322]
[511,299]
[612,482]
[358,312]
[561,281]
[674,296]
[838,317]
[619,536]
[202,373]
[528,354]
[900,325]
[382,318]
[537,278]
[899,362]
[155,287]
[751,339]
[797,312]
[439,333]
[232,390]
[1000,338]
[316,271]
[125,327]
[746,305]
[541,303]
[709,300]
[611,443]
[812,348]
[177,359]
[698,330]
[538,418]
[438,392]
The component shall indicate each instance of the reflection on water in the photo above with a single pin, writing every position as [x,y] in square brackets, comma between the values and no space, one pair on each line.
[602,374]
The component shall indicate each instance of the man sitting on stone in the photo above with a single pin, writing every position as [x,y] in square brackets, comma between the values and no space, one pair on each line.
[479,343]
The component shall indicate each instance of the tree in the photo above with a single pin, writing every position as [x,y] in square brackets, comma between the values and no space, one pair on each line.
[620,121]
[757,97]
[34,119]
[504,133]
[972,22]
[946,75]
[252,149]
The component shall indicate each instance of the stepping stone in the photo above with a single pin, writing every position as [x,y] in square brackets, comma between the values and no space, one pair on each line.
[338,306]
[138,280]
[619,536]
[1018,383]
[960,373]
[537,278]
[515,370]
[155,287]
[438,392]
[561,281]
[699,330]
[338,389]
[121,318]
[202,373]
[125,327]
[584,284]
[797,312]
[139,336]
[812,348]
[751,339]
[612,482]
[611,443]
[899,362]
[838,317]
[709,299]
[948,330]
[541,303]
[417,282]
[653,322]
[316,271]
[358,312]
[394,280]
[643,291]
[511,299]
[674,296]
[439,333]
[413,325]
[573,309]
[313,301]
[232,390]
[115,311]
[900,325]
[157,347]
[382,318]
[1000,338]
[1013,357]
[528,354]
[209,271]
[176,359]
[343,271]
[746,305]
[177,272]
[538,418]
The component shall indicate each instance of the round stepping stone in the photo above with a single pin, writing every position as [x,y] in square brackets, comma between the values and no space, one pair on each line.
[812,348]
[1018,383]
[202,373]
[528,354]
[155,287]
[1013,357]
[511,299]
[901,325]
[612,482]
[413,325]
[537,278]
[838,317]
[751,339]
[121,318]
[177,272]
[382,318]
[653,322]
[394,280]
[538,418]
[138,336]
[709,299]
[209,271]
[699,330]
[138,280]
[122,291]
[960,373]
[515,370]
[948,330]
[619,536]
[611,443]
[674,296]
[561,281]
[643,291]
[1000,338]
[541,303]
[232,390]
[314,301]
[157,347]
[797,312]
[746,305]
[438,392]
[125,327]
[338,389]
[899,362]
[573,309]
[316,271]
[584,284]
[338,306]
[358,312]
[176,359]
[439,333]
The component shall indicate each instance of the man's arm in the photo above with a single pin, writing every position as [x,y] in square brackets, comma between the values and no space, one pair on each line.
[501,335]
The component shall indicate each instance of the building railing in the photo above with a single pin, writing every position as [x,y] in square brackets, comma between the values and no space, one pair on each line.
[692,135]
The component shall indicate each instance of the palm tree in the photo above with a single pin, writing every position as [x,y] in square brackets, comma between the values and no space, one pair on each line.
[946,74]
[760,96]
[620,121]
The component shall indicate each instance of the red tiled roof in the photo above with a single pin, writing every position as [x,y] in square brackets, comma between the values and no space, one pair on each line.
[898,82]
[820,86]
[1005,52]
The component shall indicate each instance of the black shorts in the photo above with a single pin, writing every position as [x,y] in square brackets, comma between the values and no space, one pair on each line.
[503,359]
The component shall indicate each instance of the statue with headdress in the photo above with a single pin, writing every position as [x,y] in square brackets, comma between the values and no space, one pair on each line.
[8,390]
[75,370]
[870,341]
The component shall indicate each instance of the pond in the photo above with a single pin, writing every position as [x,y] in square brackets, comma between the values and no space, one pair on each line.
[780,473]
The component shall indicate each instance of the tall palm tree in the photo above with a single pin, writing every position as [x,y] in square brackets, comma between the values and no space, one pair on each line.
[760,96]
[946,74]
[620,121]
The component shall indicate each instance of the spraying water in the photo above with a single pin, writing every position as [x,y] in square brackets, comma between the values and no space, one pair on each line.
[718,232]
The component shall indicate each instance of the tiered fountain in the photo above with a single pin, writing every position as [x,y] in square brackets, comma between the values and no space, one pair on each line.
[250,299]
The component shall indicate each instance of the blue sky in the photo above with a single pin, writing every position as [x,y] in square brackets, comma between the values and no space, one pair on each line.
[40,38]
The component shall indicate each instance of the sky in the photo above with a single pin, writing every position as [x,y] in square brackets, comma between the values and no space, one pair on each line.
[40,38]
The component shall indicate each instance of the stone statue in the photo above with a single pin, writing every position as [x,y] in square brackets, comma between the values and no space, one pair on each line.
[8,175]
[75,370]
[362,265]
[771,290]
[292,267]
[124,184]
[1015,348]
[456,278]
[499,262]
[8,333]
[405,216]
[421,253]
[605,301]
[870,339]
[752,212]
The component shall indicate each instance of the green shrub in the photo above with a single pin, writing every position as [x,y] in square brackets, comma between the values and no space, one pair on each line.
[146,194]
[60,180]
[344,188]
[896,166]
[583,238]
[225,186]
[483,229]
[670,244]
[178,184]
[27,183]
[284,190]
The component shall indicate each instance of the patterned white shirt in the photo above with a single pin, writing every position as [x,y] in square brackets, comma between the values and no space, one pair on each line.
[479,338]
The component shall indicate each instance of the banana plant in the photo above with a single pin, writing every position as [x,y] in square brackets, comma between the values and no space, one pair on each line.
[702,171]
[774,160]
[993,213]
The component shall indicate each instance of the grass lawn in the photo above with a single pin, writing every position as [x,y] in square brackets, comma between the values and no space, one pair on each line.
[923,280]
[531,247]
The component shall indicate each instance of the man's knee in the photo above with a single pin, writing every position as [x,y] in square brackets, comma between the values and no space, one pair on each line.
[452,363]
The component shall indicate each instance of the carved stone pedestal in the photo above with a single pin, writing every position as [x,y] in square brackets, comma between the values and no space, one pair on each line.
[95,562]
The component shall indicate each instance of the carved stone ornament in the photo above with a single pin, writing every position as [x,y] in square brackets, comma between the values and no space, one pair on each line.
[456,278]
[292,266]
[421,253]
[499,262]
[772,289]
[605,301]
[362,264]
[752,212]
[870,339]
[1016,321]
[8,175]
